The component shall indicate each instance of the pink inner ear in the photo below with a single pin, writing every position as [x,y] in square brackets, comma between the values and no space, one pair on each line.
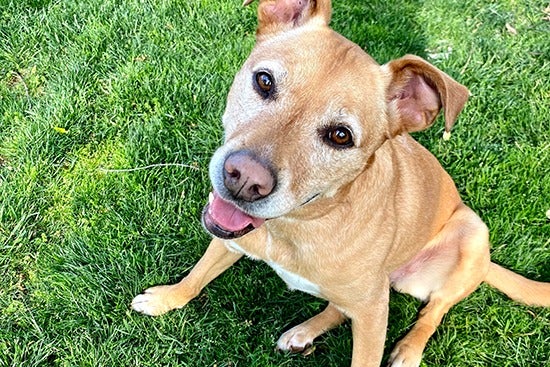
[418,103]
[287,10]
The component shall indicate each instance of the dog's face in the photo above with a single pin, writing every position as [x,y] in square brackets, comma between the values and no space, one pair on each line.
[305,114]
[300,115]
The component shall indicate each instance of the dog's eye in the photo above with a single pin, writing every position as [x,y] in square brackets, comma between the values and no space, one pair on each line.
[338,137]
[263,82]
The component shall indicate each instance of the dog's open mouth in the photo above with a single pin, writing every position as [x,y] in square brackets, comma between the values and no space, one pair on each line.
[225,220]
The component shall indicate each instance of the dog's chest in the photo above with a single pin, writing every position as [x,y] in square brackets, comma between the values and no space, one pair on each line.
[294,281]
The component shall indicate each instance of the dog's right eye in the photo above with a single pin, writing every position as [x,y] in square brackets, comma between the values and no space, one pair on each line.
[339,137]
[264,85]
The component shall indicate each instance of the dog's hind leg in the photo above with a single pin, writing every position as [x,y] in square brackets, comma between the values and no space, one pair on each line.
[161,299]
[300,337]
[450,268]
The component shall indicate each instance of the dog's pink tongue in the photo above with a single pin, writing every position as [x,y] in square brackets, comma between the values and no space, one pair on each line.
[229,217]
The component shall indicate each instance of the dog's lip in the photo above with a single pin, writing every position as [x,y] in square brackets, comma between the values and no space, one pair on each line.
[226,220]
[310,199]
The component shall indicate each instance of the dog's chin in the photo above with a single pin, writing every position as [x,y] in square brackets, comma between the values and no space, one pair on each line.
[217,230]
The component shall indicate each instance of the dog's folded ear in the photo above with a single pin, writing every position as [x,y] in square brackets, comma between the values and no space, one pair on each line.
[280,15]
[419,90]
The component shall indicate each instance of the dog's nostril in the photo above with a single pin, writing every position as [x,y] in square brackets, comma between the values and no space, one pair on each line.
[255,191]
[261,191]
[234,174]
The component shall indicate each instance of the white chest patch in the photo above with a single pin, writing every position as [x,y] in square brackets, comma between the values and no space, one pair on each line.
[295,281]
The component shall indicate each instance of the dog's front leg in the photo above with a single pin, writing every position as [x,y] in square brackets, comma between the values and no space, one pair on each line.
[368,324]
[161,299]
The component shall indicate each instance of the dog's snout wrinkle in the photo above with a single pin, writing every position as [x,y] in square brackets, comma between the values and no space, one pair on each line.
[246,177]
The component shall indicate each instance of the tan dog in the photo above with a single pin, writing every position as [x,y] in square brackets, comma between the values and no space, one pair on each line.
[319,177]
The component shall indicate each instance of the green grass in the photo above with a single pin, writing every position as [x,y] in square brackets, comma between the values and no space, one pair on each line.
[94,84]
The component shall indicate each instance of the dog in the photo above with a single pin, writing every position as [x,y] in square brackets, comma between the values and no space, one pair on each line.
[319,177]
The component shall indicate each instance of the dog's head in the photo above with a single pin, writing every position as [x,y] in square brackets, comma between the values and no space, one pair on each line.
[306,113]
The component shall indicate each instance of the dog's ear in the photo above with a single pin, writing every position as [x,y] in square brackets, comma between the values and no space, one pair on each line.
[419,90]
[280,15]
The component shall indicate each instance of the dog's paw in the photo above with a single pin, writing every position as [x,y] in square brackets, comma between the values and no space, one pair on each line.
[296,340]
[405,355]
[156,301]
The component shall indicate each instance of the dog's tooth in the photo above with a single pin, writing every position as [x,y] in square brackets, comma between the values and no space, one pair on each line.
[210,198]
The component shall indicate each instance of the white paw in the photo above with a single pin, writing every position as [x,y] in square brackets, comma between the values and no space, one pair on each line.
[153,301]
[404,356]
[295,340]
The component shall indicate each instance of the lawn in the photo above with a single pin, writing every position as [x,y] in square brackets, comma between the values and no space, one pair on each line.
[89,89]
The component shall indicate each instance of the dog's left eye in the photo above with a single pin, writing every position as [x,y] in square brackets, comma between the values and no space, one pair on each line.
[338,137]
[263,83]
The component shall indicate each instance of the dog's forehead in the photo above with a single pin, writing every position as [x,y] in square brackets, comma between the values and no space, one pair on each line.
[311,52]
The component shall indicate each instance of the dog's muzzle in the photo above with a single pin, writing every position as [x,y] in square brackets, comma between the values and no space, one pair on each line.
[246,178]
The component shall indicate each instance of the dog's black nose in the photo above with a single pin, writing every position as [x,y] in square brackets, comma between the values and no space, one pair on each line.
[247,177]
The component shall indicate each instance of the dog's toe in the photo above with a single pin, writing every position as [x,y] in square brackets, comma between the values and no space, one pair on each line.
[405,356]
[296,340]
